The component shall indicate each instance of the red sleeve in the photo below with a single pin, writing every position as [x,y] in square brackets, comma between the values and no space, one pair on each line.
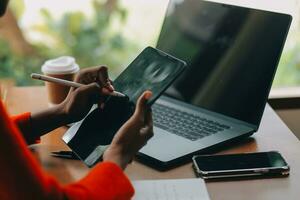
[22,178]
[24,124]
[106,179]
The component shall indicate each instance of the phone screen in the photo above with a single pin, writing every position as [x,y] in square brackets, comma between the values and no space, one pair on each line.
[240,161]
[151,70]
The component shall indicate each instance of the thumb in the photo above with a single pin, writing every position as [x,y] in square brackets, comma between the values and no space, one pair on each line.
[141,105]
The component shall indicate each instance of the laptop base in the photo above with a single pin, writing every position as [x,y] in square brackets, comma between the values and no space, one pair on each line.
[164,166]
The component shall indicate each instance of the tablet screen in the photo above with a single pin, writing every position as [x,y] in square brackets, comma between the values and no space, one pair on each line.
[151,70]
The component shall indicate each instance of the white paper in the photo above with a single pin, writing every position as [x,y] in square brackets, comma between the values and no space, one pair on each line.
[171,189]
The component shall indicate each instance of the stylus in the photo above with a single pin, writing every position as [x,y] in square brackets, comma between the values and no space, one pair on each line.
[65,154]
[67,83]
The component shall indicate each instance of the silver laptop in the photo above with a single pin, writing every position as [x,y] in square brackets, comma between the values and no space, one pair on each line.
[232,54]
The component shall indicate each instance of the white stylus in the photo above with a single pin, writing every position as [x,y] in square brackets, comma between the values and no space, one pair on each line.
[67,83]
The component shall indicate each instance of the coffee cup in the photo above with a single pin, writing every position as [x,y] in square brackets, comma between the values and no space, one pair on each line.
[64,67]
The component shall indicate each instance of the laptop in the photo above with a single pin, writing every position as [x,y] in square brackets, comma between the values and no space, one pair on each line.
[232,54]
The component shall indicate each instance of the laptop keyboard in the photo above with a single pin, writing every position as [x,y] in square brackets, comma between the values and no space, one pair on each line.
[184,124]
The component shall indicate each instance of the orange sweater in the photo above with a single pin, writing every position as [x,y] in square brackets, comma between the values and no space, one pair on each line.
[21,177]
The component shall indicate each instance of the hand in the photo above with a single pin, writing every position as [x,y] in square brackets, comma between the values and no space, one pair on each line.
[77,104]
[97,75]
[79,101]
[133,135]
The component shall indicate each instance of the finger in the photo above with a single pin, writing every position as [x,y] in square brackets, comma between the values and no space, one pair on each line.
[92,91]
[104,79]
[87,75]
[105,91]
[148,117]
[146,133]
[71,89]
[111,83]
[147,130]
[141,105]
[109,86]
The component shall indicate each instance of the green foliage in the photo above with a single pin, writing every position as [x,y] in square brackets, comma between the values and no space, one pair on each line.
[288,73]
[17,67]
[91,40]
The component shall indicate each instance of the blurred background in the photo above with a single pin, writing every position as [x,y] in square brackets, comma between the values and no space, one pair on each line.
[110,32]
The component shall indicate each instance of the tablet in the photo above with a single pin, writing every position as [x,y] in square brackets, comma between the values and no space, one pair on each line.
[151,70]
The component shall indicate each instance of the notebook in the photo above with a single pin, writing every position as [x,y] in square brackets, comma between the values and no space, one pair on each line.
[175,189]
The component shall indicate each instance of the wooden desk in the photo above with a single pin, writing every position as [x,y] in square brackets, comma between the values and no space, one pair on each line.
[273,135]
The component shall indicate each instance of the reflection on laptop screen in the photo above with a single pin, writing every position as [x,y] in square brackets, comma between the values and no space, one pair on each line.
[232,55]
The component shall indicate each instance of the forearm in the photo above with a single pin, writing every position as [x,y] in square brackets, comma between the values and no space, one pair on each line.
[22,178]
[49,119]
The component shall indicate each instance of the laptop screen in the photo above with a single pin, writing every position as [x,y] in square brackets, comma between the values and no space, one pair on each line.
[232,55]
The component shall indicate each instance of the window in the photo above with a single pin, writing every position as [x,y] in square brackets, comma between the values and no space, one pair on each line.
[109,32]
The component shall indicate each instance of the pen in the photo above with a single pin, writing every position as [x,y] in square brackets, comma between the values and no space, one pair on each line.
[67,83]
[65,154]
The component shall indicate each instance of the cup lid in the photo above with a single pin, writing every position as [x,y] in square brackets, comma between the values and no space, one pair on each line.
[60,65]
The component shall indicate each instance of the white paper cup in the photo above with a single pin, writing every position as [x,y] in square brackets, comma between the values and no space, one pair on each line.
[64,67]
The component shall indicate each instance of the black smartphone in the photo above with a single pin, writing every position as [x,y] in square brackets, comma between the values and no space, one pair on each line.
[151,70]
[240,165]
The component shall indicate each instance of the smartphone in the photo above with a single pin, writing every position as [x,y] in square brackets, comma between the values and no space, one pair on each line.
[240,165]
[151,70]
